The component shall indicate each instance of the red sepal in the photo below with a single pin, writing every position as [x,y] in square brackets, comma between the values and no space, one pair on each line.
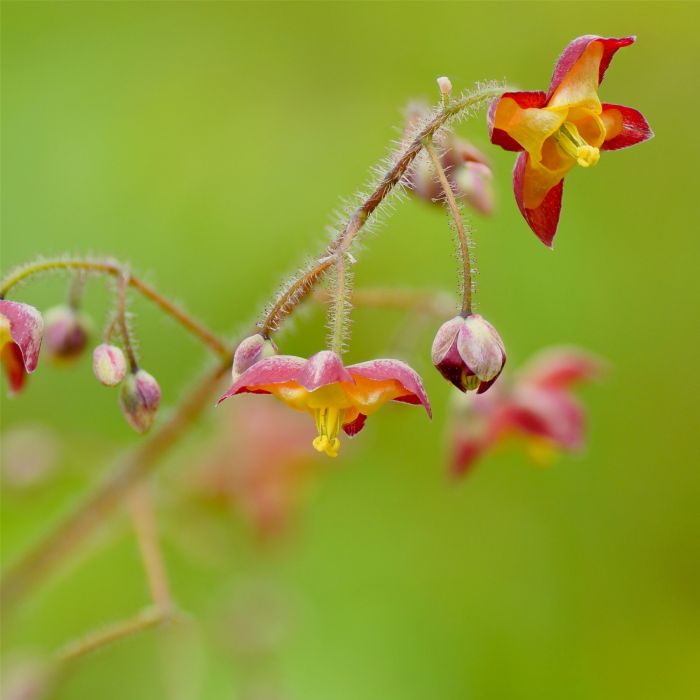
[635,129]
[543,220]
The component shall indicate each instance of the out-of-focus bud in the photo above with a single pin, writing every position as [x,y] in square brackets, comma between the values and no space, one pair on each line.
[109,364]
[139,399]
[469,353]
[67,333]
[251,350]
[474,181]
[21,333]
[445,85]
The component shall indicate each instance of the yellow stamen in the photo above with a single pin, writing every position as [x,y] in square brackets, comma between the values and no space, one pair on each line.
[572,143]
[328,422]
[471,382]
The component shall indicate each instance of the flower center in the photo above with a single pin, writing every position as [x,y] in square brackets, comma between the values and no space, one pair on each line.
[471,382]
[573,144]
[328,422]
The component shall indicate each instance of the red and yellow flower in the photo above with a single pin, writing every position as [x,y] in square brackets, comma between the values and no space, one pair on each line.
[21,333]
[337,397]
[564,127]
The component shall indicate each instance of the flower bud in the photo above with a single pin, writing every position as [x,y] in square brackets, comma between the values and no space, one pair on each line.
[474,182]
[139,399]
[469,353]
[445,85]
[251,350]
[109,364]
[66,333]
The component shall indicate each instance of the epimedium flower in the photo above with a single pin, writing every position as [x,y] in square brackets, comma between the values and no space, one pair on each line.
[21,333]
[537,407]
[67,331]
[337,397]
[562,128]
[468,352]
[251,350]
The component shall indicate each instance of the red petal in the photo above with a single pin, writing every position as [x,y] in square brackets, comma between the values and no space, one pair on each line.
[561,368]
[573,52]
[379,370]
[634,128]
[14,367]
[466,453]
[543,220]
[524,100]
[355,426]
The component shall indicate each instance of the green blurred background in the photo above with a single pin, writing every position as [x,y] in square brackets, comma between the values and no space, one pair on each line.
[207,144]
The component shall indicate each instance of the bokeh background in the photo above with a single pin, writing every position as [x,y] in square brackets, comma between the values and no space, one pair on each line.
[207,144]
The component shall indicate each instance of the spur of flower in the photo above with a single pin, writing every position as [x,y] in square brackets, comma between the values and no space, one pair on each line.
[338,397]
[537,407]
[21,333]
[562,128]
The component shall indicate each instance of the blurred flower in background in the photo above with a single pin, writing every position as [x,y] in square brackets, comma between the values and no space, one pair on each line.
[538,407]
[30,454]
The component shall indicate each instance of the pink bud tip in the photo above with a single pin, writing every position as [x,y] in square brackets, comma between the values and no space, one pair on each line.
[109,364]
[139,399]
[251,350]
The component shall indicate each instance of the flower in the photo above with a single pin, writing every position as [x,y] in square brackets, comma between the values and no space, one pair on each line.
[467,168]
[566,126]
[538,407]
[109,364]
[139,399]
[468,352]
[67,332]
[336,396]
[21,332]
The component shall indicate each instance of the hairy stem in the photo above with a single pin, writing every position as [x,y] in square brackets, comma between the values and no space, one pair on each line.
[338,307]
[462,236]
[116,270]
[121,322]
[94,510]
[299,288]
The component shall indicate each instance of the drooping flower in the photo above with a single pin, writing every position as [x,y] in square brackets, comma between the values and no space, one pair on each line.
[537,407]
[139,399]
[467,169]
[566,126]
[468,352]
[336,396]
[66,333]
[21,332]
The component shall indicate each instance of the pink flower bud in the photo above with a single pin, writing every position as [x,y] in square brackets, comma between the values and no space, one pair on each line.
[474,182]
[469,353]
[66,333]
[251,350]
[445,85]
[109,364]
[139,399]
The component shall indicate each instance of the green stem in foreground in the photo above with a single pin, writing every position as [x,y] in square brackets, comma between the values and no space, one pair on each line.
[116,270]
[297,290]
[462,236]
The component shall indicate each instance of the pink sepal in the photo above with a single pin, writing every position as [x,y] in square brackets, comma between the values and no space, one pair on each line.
[561,368]
[273,370]
[323,368]
[26,330]
[379,370]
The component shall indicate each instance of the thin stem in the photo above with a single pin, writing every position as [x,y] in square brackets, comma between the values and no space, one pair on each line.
[459,226]
[338,308]
[146,530]
[75,293]
[121,322]
[116,270]
[94,510]
[92,641]
[299,288]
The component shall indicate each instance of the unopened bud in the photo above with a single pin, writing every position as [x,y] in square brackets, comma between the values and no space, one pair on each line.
[474,182]
[139,399]
[66,333]
[251,350]
[109,364]
[445,85]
